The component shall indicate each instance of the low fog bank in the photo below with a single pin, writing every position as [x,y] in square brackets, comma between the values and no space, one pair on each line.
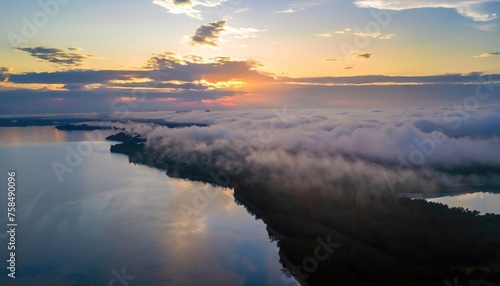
[356,150]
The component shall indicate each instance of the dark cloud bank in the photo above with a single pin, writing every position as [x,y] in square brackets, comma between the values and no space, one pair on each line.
[71,58]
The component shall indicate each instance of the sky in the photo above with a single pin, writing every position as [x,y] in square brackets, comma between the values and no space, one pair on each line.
[64,56]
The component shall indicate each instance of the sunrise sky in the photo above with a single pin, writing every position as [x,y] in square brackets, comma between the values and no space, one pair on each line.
[60,56]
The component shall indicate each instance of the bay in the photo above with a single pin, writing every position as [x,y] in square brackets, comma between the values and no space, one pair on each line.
[108,219]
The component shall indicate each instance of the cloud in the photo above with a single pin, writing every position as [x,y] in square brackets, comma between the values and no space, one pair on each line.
[82,77]
[161,70]
[5,70]
[187,6]
[325,35]
[330,60]
[487,55]
[456,79]
[208,34]
[469,8]
[476,126]
[242,10]
[345,31]
[387,37]
[363,56]
[349,68]
[194,68]
[4,74]
[369,35]
[193,81]
[104,100]
[294,8]
[241,33]
[58,56]
[328,151]
[359,33]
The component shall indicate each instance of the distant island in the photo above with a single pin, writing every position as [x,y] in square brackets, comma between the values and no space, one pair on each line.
[126,138]
[70,123]
[42,121]
[383,239]
[83,127]
[130,144]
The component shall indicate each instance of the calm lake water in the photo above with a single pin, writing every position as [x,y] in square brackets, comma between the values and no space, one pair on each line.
[483,202]
[107,216]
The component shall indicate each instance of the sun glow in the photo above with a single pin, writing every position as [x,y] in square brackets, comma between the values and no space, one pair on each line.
[130,80]
[229,84]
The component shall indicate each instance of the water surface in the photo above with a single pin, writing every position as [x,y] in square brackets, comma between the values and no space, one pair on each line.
[107,215]
[483,202]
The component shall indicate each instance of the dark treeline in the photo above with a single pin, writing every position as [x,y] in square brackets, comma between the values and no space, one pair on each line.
[126,138]
[82,127]
[380,239]
[70,124]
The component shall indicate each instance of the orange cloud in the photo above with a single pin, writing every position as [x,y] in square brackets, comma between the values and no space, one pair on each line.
[126,99]
[167,99]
